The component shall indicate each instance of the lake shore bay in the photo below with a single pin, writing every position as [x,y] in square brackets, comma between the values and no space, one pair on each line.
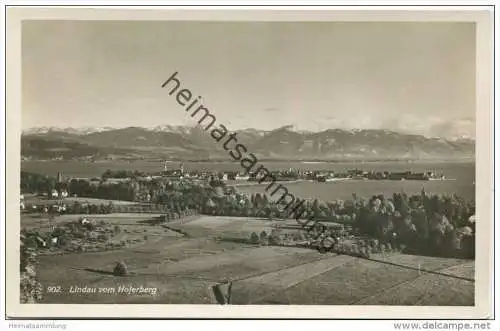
[462,172]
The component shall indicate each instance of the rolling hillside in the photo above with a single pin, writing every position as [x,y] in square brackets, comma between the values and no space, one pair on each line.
[185,269]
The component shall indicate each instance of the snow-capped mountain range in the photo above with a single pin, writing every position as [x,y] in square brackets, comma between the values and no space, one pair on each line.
[283,143]
[448,131]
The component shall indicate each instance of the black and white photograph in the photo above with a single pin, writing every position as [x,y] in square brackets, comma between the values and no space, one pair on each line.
[272,162]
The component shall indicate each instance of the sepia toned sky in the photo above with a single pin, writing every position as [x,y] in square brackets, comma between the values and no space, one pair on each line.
[414,77]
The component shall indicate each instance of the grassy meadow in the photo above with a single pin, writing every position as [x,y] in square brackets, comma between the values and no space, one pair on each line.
[183,268]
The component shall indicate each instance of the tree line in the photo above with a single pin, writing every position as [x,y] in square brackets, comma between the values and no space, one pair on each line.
[425,223]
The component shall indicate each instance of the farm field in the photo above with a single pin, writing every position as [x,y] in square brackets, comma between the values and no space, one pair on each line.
[355,281]
[97,201]
[32,199]
[438,290]
[39,220]
[232,227]
[184,269]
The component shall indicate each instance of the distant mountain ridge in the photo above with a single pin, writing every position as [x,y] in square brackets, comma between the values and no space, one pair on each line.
[180,142]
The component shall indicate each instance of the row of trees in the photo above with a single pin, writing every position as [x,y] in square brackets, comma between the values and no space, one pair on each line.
[31,182]
[30,288]
[436,225]
[122,174]
[430,223]
[216,198]
[425,224]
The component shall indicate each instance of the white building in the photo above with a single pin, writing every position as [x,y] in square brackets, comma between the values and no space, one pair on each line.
[84,221]
[242,177]
[41,241]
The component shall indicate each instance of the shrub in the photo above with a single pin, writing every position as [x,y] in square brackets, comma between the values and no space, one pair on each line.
[366,252]
[468,249]
[102,237]
[58,232]
[274,240]
[89,226]
[120,269]
[62,240]
[79,235]
[254,238]
[92,236]
[30,289]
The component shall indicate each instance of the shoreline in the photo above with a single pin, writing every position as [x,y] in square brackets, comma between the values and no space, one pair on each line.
[245,183]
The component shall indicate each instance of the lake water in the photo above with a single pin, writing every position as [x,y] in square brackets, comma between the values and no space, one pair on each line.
[462,176]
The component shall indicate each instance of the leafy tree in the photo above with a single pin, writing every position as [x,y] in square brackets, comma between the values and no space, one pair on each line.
[120,269]
[254,238]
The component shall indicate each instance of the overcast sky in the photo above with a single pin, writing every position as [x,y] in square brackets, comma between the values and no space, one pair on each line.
[417,77]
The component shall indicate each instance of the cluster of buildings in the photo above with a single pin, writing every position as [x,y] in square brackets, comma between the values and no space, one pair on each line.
[41,207]
[330,175]
[179,173]
[372,175]
[59,192]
